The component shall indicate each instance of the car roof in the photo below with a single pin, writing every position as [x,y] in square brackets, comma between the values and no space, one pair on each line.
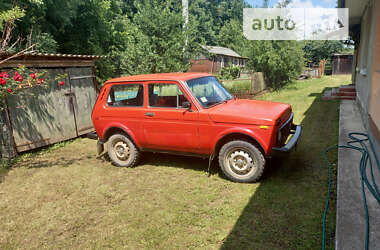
[159,77]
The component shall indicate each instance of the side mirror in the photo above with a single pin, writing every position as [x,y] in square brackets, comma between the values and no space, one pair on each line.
[187,105]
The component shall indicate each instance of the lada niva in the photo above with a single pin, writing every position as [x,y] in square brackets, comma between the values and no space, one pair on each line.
[190,114]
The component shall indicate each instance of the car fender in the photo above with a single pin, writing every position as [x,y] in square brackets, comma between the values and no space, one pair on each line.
[245,131]
[124,128]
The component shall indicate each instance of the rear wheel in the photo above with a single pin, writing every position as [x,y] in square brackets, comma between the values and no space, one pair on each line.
[122,151]
[241,161]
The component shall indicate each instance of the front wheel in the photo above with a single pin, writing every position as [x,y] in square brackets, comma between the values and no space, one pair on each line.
[241,161]
[122,151]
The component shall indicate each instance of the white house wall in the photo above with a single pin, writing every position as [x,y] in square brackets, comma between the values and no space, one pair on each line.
[367,79]
[364,66]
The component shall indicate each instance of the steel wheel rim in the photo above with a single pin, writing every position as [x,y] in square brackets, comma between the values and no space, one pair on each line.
[240,162]
[121,150]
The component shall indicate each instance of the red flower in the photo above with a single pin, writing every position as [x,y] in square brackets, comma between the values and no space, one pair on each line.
[1,75]
[2,81]
[40,80]
[9,90]
[33,75]
[61,83]
[5,74]
[17,77]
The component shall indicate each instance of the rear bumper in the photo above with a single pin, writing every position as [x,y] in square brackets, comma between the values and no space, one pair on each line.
[92,135]
[296,131]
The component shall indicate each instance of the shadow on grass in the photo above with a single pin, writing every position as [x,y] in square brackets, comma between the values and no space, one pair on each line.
[285,212]
[4,169]
[179,161]
[46,163]
[30,159]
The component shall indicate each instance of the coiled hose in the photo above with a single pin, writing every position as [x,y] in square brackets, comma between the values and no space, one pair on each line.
[365,182]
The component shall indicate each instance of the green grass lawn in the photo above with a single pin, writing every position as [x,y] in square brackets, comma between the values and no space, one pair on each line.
[69,198]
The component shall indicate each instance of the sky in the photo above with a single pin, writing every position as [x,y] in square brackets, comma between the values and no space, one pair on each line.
[298,3]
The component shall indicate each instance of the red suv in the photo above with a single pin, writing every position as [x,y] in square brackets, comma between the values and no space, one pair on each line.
[190,114]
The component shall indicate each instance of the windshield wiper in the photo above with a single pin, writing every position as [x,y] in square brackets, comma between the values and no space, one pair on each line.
[220,102]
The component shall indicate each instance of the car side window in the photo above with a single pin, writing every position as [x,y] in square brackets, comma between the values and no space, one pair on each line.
[126,95]
[165,95]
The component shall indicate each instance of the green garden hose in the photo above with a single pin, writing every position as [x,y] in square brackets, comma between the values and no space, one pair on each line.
[365,182]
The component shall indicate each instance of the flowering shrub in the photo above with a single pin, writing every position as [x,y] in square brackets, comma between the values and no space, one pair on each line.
[22,77]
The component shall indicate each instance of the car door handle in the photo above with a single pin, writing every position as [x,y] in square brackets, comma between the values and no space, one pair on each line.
[150,114]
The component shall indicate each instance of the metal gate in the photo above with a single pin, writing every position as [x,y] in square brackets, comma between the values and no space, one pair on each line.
[41,116]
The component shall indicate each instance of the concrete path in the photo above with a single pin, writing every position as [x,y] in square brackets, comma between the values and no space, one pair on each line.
[350,218]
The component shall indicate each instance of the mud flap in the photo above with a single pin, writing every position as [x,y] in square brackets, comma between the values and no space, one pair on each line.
[100,147]
[209,164]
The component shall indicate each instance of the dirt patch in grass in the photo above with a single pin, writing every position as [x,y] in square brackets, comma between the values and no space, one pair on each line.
[69,198]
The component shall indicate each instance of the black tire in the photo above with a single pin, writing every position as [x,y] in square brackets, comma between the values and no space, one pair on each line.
[241,161]
[122,151]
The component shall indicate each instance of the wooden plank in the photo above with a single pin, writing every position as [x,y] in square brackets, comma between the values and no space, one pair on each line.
[82,85]
[81,77]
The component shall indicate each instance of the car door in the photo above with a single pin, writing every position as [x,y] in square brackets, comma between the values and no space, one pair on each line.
[125,107]
[168,125]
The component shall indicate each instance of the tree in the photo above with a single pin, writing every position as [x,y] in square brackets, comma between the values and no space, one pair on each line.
[157,40]
[231,36]
[7,24]
[315,50]
[146,36]
[280,61]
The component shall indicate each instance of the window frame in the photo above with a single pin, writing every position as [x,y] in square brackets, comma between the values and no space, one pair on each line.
[177,99]
[123,84]
[196,98]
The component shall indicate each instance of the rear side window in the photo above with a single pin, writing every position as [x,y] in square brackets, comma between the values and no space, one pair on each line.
[126,95]
[165,95]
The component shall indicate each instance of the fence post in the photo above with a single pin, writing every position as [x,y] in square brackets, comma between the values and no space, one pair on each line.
[252,83]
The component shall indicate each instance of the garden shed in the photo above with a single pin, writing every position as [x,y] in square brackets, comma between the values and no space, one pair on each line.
[218,58]
[342,64]
[39,116]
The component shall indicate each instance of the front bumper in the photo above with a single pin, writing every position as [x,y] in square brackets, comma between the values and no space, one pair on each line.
[296,131]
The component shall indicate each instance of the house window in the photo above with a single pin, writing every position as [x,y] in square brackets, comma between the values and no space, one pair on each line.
[226,61]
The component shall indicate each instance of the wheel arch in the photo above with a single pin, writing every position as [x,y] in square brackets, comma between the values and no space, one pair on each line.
[121,130]
[237,136]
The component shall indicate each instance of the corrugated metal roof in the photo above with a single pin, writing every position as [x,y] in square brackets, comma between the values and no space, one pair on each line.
[343,54]
[221,51]
[55,55]
[63,55]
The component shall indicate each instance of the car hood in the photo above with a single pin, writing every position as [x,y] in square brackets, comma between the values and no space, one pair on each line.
[250,112]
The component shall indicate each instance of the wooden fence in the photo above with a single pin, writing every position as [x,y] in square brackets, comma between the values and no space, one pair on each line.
[40,116]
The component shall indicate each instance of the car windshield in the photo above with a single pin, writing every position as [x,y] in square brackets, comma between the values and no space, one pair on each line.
[208,91]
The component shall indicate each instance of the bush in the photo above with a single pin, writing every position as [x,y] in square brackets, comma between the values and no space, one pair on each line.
[280,61]
[230,73]
[238,87]
[328,67]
